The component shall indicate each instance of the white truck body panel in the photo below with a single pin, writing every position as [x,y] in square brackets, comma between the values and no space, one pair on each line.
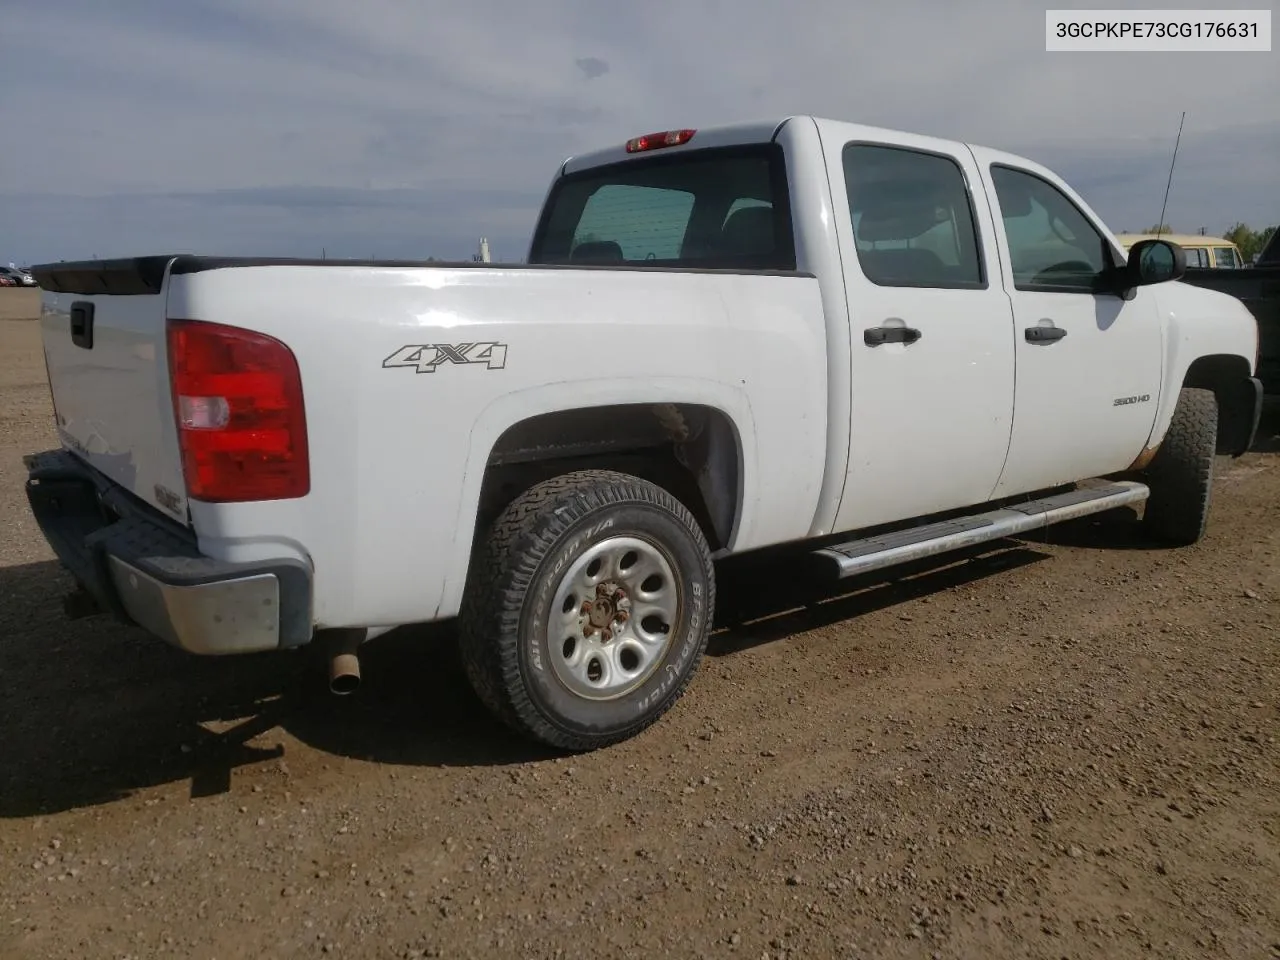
[814,215]
[833,434]
[1196,323]
[1067,418]
[939,410]
[113,405]
[386,518]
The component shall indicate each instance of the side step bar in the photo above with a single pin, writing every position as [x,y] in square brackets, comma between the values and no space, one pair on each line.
[916,543]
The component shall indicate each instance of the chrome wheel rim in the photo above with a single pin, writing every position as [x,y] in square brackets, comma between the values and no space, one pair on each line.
[613,617]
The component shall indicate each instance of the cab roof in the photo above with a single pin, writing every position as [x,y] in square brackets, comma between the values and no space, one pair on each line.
[748,133]
[726,135]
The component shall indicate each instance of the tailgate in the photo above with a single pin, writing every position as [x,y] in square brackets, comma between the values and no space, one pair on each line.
[103,325]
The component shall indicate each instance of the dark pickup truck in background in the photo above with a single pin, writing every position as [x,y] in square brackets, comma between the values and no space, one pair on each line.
[1258,287]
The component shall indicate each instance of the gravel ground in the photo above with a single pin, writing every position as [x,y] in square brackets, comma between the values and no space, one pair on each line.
[1064,747]
[19,304]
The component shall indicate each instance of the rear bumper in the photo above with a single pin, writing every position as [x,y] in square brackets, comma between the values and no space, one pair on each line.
[150,572]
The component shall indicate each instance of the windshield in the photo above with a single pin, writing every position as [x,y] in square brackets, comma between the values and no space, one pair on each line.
[714,208]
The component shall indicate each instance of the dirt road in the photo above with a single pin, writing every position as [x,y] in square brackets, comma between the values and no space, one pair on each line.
[19,304]
[1064,748]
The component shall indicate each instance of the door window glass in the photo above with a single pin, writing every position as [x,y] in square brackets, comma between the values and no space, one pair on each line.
[1052,244]
[913,223]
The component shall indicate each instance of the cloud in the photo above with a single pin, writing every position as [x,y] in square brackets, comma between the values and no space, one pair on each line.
[145,125]
[1221,175]
[592,67]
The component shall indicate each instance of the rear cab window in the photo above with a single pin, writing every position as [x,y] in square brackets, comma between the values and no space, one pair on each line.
[717,208]
[912,216]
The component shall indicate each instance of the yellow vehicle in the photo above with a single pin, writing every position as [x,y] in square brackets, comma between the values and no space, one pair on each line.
[1211,252]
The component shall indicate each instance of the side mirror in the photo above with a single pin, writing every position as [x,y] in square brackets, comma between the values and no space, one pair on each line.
[1155,261]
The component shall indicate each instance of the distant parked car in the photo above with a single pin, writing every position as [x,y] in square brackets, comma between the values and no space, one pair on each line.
[1206,253]
[16,277]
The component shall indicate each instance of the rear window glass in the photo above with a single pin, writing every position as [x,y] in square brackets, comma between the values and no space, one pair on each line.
[1224,257]
[710,209]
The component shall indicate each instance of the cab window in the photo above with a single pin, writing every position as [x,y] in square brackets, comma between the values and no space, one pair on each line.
[1053,246]
[912,218]
[716,208]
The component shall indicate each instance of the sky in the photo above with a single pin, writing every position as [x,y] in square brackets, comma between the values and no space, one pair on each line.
[411,128]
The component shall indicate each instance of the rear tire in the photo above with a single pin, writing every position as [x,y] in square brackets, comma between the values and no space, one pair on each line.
[588,609]
[1181,475]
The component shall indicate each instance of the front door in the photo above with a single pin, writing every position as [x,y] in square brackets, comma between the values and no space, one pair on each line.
[932,330]
[1088,360]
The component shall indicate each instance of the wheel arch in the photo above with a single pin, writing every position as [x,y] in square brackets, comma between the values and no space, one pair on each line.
[523,438]
[1230,377]
[692,450]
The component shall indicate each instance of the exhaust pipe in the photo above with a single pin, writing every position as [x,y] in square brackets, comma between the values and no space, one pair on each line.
[344,661]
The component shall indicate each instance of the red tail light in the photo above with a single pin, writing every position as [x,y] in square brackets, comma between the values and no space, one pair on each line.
[655,141]
[242,427]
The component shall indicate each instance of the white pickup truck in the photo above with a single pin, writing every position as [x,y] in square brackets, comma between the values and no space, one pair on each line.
[874,345]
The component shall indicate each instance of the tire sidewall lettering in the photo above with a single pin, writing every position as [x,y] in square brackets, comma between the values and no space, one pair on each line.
[672,672]
[548,581]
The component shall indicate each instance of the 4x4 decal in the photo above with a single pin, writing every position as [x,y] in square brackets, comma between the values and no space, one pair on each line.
[425,357]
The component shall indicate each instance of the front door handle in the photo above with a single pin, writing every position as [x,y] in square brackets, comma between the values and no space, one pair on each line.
[1045,334]
[874,336]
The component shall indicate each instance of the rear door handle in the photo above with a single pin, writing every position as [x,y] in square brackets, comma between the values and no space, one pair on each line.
[82,324]
[874,336]
[1045,334]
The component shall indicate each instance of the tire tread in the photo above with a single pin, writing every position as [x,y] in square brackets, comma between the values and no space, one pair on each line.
[503,574]
[1181,475]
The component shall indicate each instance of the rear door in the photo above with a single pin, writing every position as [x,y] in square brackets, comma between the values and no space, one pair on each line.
[103,327]
[931,327]
[1089,361]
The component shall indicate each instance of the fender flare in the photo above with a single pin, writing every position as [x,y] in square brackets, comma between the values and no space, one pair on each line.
[506,411]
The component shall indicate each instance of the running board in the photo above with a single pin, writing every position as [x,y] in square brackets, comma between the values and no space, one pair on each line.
[917,543]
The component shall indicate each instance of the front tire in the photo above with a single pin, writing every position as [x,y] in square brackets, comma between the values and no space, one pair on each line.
[1181,475]
[589,608]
